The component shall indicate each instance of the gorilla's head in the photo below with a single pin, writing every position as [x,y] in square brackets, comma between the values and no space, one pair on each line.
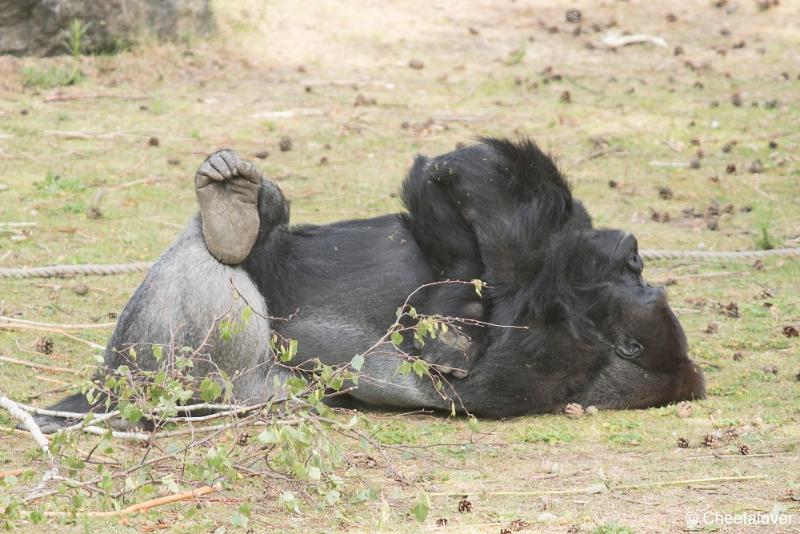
[648,363]
[639,347]
[584,325]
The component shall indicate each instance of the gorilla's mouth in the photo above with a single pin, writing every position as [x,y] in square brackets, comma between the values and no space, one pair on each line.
[622,386]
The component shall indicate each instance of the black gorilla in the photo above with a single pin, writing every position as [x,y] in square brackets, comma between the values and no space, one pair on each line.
[565,315]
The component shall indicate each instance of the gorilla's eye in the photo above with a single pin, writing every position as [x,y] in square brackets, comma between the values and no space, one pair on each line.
[629,349]
[635,263]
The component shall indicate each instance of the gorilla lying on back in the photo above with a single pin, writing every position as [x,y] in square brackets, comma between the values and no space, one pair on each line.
[565,315]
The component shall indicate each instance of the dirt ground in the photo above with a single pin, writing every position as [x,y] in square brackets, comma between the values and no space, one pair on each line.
[692,145]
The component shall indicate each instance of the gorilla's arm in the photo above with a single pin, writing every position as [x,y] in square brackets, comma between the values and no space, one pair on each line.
[486,212]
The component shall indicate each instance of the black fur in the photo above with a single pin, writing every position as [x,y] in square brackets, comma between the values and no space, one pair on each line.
[570,302]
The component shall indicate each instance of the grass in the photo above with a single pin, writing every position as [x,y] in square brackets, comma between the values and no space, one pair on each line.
[51,76]
[628,108]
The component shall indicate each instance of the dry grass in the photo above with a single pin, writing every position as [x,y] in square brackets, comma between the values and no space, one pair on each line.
[489,68]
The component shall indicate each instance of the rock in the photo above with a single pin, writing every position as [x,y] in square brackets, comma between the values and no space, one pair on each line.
[81,289]
[41,27]
[756,166]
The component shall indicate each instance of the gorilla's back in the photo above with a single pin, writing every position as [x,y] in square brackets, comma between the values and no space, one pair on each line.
[318,296]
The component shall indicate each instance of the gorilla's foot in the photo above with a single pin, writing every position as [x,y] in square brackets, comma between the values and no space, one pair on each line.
[227,192]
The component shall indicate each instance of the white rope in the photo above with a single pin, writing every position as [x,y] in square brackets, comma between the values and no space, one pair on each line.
[706,255]
[139,267]
[71,270]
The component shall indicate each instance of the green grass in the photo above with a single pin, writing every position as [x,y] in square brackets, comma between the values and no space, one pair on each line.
[51,76]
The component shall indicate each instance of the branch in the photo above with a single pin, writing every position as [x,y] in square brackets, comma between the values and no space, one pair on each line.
[28,422]
[146,505]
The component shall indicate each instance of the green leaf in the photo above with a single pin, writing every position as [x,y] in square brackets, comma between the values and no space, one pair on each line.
[247,313]
[210,390]
[158,352]
[404,368]
[397,338]
[267,436]
[314,473]
[472,423]
[290,502]
[132,413]
[241,517]
[36,516]
[420,367]
[357,362]
[421,506]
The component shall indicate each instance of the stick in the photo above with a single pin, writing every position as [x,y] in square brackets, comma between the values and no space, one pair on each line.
[572,491]
[52,381]
[89,135]
[18,224]
[688,481]
[59,96]
[132,183]
[38,365]
[615,40]
[681,164]
[146,505]
[52,331]
[11,473]
[55,325]
[27,421]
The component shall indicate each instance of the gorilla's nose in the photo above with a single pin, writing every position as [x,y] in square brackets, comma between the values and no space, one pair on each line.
[657,296]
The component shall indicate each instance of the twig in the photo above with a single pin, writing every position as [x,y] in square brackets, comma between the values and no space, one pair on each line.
[60,96]
[686,482]
[148,180]
[18,224]
[757,187]
[615,40]
[89,135]
[572,491]
[38,365]
[676,164]
[11,473]
[347,83]
[49,380]
[8,326]
[82,326]
[146,505]
[142,436]
[233,411]
[28,422]
[598,154]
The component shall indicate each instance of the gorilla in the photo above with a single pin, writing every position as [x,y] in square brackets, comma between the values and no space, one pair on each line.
[564,315]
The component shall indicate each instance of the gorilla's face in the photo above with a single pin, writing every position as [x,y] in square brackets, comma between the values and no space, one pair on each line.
[649,364]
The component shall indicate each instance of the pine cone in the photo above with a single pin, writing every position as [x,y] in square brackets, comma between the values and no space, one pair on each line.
[464,506]
[43,345]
